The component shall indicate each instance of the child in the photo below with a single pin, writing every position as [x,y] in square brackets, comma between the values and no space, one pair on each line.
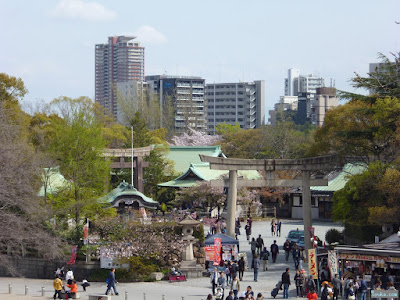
[85,284]
[57,284]
[312,295]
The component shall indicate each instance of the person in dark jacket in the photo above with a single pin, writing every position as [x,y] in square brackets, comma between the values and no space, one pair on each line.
[286,283]
[274,251]
[111,282]
[241,268]
[287,247]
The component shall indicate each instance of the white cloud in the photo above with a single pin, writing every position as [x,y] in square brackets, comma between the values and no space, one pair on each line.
[83,10]
[149,35]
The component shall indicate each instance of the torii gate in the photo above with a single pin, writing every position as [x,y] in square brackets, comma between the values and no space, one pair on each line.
[137,155]
[305,165]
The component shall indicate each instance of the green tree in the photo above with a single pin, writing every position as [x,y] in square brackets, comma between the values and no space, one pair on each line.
[77,146]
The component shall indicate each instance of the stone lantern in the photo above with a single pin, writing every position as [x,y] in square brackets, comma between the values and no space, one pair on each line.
[188,223]
[188,265]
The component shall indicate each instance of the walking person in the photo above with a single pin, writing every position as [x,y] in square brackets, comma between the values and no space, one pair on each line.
[264,257]
[296,256]
[214,280]
[260,244]
[278,228]
[235,287]
[253,246]
[336,287]
[235,268]
[228,273]
[325,292]
[286,283]
[57,285]
[273,227]
[302,258]
[222,283]
[298,280]
[111,282]
[241,267]
[247,228]
[274,251]
[287,247]
[255,264]
[363,288]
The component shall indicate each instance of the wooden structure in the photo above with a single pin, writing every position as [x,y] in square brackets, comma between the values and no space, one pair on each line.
[138,163]
[305,165]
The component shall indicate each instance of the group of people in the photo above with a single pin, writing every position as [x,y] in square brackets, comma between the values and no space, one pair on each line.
[233,293]
[276,227]
[61,292]
[298,254]
[59,288]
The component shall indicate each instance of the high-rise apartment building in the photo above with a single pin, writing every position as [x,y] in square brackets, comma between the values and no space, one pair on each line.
[186,94]
[231,103]
[120,60]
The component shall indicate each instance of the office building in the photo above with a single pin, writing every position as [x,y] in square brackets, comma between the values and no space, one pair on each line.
[120,60]
[231,103]
[187,96]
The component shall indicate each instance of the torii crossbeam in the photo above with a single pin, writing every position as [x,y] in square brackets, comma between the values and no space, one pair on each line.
[305,165]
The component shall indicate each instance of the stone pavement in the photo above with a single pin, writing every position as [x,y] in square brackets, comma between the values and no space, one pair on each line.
[193,289]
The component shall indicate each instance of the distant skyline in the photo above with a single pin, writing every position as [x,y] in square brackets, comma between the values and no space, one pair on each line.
[50,44]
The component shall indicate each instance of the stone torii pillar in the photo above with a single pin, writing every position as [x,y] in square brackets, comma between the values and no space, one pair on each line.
[305,165]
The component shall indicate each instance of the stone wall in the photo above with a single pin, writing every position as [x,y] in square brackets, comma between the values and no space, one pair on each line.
[38,268]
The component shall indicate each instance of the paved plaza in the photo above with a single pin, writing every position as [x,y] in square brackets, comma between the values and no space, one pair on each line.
[193,289]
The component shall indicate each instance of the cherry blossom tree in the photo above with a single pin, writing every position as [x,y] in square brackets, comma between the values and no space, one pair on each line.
[195,138]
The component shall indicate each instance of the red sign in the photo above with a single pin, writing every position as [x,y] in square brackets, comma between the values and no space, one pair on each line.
[73,255]
[217,251]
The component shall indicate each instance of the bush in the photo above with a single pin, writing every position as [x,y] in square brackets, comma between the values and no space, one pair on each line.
[333,236]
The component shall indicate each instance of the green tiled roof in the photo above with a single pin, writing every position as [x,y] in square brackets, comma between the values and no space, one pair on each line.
[124,189]
[55,181]
[341,179]
[184,156]
[202,172]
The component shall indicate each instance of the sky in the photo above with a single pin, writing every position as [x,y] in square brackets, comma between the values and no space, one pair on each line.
[50,43]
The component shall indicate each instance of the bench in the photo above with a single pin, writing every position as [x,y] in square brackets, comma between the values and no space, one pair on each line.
[96,297]
[177,278]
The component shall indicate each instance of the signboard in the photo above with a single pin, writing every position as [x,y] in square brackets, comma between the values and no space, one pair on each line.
[217,251]
[312,263]
[333,263]
[209,250]
[226,256]
[384,294]
[368,257]
[73,255]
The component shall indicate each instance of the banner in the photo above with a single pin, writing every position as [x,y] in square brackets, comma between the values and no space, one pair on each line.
[86,233]
[73,255]
[333,263]
[217,251]
[312,263]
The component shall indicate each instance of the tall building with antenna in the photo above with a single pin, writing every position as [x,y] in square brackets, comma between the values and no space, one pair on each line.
[120,60]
